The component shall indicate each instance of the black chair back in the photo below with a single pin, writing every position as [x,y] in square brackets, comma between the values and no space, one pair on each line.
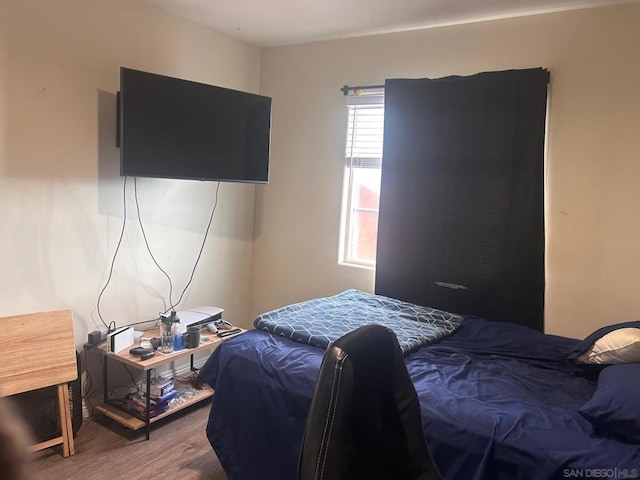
[364,419]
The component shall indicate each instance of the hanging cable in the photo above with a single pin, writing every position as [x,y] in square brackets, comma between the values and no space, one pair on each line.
[111,325]
[115,254]
[204,240]
[144,236]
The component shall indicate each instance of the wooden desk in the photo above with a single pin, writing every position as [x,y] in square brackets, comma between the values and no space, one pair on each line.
[38,350]
[208,342]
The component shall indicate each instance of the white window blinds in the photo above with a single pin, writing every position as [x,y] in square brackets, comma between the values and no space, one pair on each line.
[365,133]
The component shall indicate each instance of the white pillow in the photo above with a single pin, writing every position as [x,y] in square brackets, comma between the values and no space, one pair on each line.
[619,346]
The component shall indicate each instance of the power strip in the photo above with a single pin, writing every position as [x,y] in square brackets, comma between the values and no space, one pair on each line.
[94,339]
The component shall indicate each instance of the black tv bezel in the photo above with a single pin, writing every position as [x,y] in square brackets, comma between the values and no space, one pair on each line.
[120,126]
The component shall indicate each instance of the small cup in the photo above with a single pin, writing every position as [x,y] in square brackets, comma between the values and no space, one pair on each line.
[166,343]
[193,337]
[178,341]
[166,338]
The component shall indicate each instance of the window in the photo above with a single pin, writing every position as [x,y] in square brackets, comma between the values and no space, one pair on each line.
[362,179]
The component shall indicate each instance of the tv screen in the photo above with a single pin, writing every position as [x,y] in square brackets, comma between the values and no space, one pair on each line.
[173,128]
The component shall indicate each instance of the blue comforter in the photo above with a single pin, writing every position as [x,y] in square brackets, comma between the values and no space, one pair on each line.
[498,402]
[320,321]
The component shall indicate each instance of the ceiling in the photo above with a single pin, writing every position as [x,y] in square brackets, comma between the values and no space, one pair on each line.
[282,22]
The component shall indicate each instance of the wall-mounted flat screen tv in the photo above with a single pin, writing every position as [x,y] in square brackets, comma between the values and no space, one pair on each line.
[174,128]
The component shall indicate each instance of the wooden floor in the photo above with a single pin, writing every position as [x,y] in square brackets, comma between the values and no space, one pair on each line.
[178,449]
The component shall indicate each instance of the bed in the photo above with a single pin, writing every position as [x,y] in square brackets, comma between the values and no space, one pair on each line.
[498,401]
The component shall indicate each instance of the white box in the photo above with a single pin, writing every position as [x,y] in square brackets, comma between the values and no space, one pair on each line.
[199,315]
[120,339]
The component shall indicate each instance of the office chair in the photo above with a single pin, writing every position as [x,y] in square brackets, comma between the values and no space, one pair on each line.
[364,418]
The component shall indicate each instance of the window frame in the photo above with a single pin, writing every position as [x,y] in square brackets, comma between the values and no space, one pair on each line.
[373,99]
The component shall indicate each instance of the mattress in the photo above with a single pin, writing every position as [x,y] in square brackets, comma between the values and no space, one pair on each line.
[498,401]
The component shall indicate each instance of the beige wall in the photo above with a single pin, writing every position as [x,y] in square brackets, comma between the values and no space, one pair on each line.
[61,196]
[60,190]
[593,250]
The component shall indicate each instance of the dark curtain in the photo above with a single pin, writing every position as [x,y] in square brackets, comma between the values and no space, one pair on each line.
[461,223]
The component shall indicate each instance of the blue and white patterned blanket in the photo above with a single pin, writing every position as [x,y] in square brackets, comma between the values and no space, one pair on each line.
[320,321]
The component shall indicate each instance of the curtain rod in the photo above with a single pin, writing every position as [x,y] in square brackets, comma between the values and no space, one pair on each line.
[345,90]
